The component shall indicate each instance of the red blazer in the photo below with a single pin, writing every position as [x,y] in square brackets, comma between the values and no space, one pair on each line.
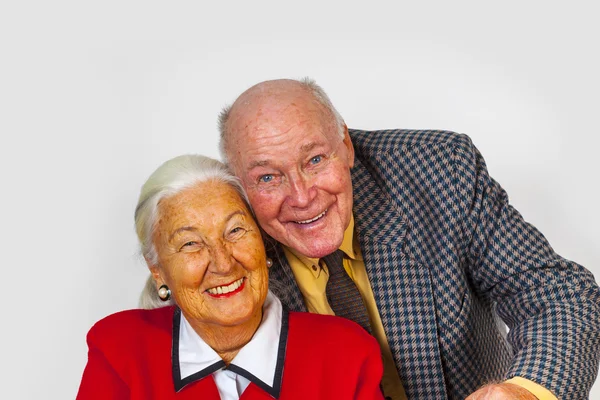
[321,357]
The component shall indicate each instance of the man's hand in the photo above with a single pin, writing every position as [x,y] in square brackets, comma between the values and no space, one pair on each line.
[502,391]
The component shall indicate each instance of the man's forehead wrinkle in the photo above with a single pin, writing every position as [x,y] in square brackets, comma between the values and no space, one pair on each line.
[265,116]
[261,137]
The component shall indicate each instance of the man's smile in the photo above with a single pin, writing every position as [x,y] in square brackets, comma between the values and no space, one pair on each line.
[308,221]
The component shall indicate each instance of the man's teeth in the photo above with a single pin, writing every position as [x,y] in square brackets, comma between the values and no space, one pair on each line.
[308,221]
[226,289]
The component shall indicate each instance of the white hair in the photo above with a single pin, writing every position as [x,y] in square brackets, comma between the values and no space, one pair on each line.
[169,179]
[309,84]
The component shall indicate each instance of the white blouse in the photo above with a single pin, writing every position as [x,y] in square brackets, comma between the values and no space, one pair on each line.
[256,361]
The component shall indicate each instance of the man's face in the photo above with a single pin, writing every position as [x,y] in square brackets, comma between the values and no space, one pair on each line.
[295,167]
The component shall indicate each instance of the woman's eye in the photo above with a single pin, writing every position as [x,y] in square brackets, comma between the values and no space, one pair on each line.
[236,233]
[266,178]
[236,230]
[191,246]
[316,160]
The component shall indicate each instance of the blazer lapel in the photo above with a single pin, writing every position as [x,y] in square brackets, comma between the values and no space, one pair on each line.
[402,286]
[281,278]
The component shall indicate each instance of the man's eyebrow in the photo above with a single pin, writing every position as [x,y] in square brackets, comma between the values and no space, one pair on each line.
[260,163]
[305,148]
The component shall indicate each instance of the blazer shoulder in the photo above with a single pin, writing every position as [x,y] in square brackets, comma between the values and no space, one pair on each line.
[126,326]
[403,138]
[387,153]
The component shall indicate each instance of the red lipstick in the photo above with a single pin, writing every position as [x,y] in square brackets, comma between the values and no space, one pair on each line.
[229,294]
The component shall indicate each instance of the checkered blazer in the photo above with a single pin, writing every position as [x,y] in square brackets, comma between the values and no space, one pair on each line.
[446,254]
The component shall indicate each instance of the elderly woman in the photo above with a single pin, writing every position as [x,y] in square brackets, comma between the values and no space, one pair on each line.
[221,333]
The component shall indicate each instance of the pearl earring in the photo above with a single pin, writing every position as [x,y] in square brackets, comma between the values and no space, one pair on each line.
[269,263]
[164,293]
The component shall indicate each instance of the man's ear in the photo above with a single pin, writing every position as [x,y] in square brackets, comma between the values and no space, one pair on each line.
[349,147]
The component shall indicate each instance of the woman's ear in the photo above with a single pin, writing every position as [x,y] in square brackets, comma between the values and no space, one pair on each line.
[155,272]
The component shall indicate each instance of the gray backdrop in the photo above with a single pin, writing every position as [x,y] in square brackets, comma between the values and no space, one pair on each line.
[93,96]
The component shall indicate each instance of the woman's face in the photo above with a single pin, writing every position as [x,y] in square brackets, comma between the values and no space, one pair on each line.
[211,255]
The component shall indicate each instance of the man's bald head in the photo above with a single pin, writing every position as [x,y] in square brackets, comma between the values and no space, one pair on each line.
[269,97]
[292,153]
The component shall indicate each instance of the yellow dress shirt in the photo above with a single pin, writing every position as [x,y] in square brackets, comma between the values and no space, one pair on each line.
[311,276]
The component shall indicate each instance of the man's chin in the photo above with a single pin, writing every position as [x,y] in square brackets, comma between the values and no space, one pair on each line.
[310,242]
[314,249]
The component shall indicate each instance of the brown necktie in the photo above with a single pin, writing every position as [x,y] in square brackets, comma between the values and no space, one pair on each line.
[343,296]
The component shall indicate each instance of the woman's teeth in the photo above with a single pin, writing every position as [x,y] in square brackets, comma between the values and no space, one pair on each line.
[226,289]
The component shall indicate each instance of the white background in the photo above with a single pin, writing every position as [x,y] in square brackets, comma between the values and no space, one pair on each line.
[94,95]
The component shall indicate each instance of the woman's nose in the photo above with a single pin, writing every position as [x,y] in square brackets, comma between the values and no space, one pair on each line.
[222,260]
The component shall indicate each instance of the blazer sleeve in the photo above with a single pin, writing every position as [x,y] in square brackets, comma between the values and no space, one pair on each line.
[100,380]
[550,304]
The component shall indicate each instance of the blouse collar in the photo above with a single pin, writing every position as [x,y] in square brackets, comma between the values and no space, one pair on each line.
[260,360]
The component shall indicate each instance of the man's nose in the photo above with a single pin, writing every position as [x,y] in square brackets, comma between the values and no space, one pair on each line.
[221,260]
[302,191]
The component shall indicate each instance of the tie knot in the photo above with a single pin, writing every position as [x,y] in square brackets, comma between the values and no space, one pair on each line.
[334,261]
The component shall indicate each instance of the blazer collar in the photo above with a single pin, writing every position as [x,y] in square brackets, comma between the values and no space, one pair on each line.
[386,224]
[260,361]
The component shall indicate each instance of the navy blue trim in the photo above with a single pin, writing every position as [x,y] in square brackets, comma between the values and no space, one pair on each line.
[283,337]
[177,381]
[277,379]
[274,391]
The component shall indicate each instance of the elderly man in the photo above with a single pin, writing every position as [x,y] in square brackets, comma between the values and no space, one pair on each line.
[406,233]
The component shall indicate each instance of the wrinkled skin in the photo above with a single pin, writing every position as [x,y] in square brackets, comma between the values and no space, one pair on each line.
[288,151]
[205,238]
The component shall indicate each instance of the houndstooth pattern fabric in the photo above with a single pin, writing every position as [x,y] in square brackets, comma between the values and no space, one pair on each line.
[446,254]
[342,294]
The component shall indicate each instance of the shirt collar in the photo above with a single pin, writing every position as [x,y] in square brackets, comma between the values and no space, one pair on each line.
[260,360]
[349,244]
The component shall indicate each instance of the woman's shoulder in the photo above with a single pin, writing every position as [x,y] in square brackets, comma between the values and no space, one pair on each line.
[330,321]
[129,325]
[338,330]
[323,343]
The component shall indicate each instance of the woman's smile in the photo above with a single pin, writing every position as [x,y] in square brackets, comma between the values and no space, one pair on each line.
[227,290]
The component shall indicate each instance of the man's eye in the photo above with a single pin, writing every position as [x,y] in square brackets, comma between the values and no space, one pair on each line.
[316,160]
[266,178]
